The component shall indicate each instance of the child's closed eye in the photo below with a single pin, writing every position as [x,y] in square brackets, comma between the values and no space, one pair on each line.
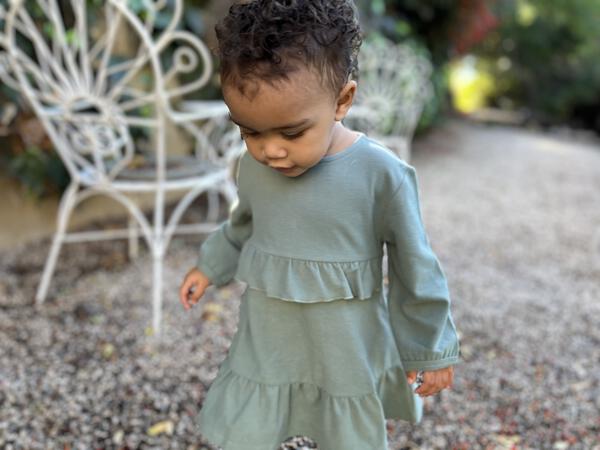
[246,134]
[292,136]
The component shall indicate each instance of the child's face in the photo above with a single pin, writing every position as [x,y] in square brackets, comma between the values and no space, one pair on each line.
[293,125]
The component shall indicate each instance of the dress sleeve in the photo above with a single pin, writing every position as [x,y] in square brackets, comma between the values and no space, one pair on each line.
[418,300]
[219,253]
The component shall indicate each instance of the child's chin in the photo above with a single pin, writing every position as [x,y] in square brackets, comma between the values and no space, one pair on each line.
[294,172]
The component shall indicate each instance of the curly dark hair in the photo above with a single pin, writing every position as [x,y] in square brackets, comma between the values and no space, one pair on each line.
[267,40]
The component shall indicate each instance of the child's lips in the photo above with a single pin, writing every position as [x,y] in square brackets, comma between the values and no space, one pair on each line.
[284,169]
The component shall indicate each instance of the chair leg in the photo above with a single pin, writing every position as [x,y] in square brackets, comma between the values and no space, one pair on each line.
[133,238]
[64,212]
[157,267]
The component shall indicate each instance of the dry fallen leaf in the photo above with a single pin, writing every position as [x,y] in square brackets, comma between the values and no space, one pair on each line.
[108,350]
[508,442]
[226,293]
[166,426]
[211,311]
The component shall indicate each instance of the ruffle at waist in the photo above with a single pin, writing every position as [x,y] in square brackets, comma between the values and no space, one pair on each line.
[307,281]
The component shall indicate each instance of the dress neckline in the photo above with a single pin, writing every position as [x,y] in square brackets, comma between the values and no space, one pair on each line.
[343,153]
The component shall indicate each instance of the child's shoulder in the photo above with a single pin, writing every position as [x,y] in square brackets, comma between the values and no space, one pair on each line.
[381,162]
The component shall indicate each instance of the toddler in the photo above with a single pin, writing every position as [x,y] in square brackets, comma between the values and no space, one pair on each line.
[321,349]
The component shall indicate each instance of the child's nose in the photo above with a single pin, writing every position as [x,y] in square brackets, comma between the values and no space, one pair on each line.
[273,150]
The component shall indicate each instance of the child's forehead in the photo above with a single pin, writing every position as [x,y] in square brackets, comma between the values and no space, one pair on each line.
[273,107]
[302,82]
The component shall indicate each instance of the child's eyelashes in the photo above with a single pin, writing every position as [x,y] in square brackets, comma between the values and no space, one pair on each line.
[289,136]
[246,134]
[293,136]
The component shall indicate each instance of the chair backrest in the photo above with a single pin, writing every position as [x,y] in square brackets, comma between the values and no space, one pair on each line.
[102,76]
[393,87]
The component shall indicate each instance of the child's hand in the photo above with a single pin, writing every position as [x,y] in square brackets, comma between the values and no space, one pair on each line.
[199,282]
[433,380]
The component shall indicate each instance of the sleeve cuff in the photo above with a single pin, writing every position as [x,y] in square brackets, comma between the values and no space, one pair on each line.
[432,360]
[208,270]
[430,364]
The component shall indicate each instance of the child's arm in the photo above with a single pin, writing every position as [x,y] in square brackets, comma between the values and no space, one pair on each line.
[419,301]
[219,253]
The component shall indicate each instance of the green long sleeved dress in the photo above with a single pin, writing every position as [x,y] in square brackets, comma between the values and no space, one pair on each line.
[321,348]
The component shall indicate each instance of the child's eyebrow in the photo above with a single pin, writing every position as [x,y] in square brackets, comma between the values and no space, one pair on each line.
[284,127]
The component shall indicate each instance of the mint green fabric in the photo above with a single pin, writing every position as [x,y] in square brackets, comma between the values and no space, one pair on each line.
[321,348]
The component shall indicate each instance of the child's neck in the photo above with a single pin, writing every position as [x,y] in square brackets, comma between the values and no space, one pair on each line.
[342,139]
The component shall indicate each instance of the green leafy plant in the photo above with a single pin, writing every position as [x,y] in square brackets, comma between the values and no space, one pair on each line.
[424,26]
[545,54]
[38,171]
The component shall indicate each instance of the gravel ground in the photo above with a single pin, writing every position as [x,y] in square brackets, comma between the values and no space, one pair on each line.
[514,218]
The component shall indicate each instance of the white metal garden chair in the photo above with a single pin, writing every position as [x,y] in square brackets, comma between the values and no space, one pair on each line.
[393,87]
[106,82]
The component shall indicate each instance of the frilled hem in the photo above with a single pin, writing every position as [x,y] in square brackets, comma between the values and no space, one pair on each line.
[308,281]
[238,412]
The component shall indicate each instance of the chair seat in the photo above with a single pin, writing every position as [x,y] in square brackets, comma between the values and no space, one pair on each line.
[182,172]
[177,168]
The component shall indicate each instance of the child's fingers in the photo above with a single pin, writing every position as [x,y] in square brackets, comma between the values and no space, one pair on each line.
[432,383]
[184,293]
[428,387]
[194,298]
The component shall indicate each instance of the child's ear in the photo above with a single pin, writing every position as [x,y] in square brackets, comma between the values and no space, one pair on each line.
[345,99]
